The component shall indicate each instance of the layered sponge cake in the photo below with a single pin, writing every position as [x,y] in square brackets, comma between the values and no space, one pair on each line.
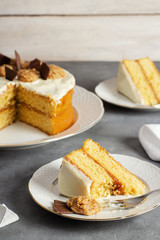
[7,102]
[37,94]
[47,104]
[139,80]
[92,172]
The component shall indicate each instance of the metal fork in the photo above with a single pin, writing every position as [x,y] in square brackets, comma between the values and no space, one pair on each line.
[127,203]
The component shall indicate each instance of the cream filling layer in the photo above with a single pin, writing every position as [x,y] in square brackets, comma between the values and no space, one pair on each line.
[126,86]
[72,181]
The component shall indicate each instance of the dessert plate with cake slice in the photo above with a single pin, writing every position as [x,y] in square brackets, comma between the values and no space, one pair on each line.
[107,91]
[137,85]
[43,187]
[37,103]
[88,110]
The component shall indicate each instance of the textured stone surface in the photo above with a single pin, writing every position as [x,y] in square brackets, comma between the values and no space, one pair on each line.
[117,131]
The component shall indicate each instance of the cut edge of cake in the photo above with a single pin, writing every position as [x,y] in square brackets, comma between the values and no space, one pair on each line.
[133,83]
[85,173]
[130,184]
[7,104]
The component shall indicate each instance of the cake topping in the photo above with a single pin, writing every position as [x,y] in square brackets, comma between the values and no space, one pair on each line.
[4,59]
[24,64]
[33,69]
[18,60]
[83,205]
[14,64]
[2,69]
[36,64]
[55,72]
[28,75]
[10,73]
[44,71]
[61,207]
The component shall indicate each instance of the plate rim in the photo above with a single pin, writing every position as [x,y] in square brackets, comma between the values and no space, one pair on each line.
[36,143]
[94,219]
[133,105]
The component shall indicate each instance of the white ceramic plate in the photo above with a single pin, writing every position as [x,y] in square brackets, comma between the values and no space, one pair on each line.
[43,189]
[107,90]
[88,109]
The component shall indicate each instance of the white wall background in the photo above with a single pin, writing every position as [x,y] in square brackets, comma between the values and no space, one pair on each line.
[80,30]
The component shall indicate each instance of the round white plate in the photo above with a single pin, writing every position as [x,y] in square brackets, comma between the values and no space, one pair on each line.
[43,189]
[88,109]
[107,90]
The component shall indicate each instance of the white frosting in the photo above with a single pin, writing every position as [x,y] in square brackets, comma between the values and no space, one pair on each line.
[4,83]
[72,181]
[126,86]
[149,137]
[54,88]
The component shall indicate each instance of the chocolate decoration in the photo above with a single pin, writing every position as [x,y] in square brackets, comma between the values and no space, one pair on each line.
[18,60]
[35,64]
[10,74]
[44,71]
[61,207]
[4,59]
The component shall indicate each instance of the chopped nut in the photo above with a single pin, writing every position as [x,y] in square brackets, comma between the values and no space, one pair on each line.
[13,62]
[14,65]
[2,69]
[25,65]
[83,205]
[28,75]
[56,72]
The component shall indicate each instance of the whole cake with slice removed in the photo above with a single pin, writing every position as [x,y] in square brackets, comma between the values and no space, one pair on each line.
[139,80]
[35,93]
[92,172]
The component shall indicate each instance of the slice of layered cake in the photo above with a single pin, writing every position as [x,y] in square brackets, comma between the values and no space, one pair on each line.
[139,80]
[7,92]
[7,103]
[35,93]
[92,172]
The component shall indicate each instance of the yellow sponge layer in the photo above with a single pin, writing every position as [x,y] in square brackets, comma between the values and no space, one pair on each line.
[140,81]
[130,184]
[43,104]
[7,116]
[50,125]
[103,184]
[7,106]
[152,75]
[8,97]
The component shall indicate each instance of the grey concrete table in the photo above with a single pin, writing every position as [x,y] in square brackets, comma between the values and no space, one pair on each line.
[117,131]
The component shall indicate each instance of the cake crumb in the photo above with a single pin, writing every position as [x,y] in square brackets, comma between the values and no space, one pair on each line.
[56,72]
[28,75]
[83,205]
